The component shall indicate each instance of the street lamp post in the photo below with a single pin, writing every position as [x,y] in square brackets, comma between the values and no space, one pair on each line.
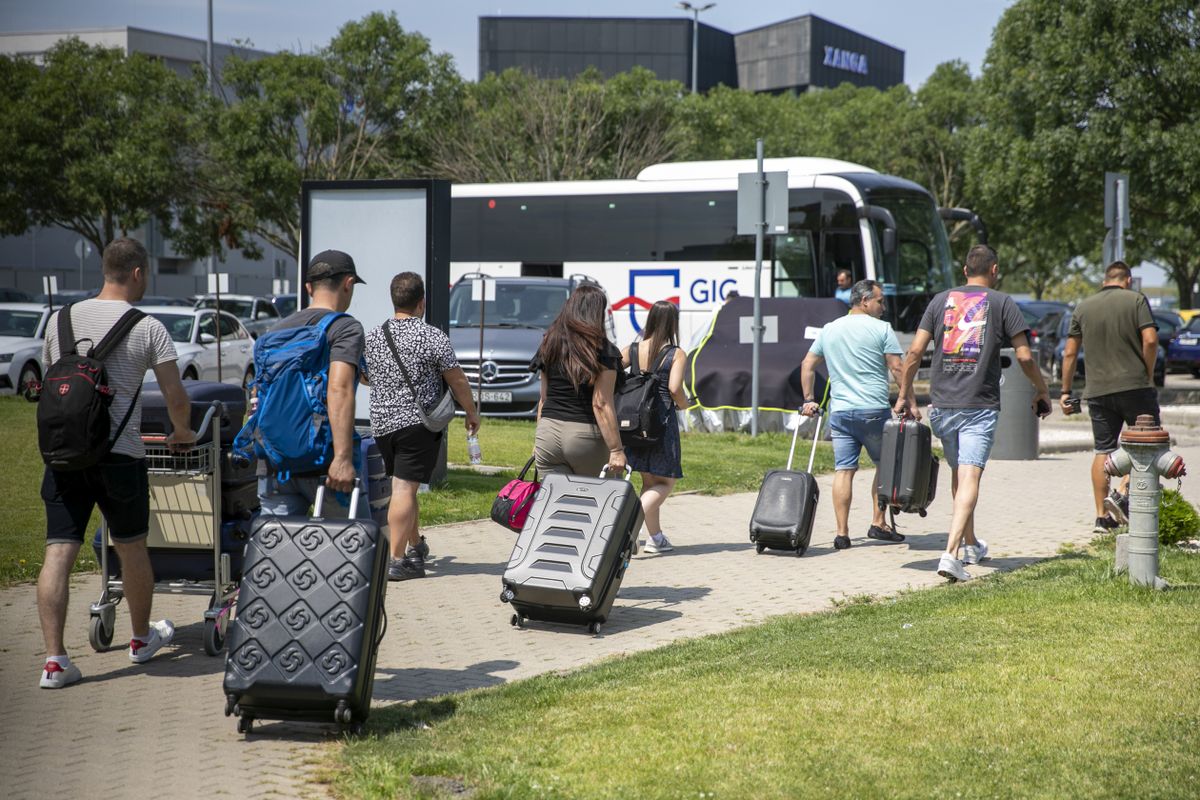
[686,6]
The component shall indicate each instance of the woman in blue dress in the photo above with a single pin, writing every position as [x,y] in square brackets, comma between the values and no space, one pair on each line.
[659,464]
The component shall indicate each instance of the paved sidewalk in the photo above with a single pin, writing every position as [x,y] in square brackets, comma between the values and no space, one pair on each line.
[127,728]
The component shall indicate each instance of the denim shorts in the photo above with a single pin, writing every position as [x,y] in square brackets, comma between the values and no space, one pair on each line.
[853,430]
[967,434]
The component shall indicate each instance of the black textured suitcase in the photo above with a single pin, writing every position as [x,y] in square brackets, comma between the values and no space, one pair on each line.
[908,470]
[310,616]
[571,555]
[786,504]
[156,421]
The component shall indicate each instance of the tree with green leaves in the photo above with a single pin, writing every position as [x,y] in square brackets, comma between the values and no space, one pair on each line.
[1074,89]
[371,104]
[94,141]
[517,127]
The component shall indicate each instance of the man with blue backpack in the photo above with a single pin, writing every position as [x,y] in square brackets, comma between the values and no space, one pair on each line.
[306,374]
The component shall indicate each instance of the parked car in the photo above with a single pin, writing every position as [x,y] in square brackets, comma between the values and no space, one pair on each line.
[22,334]
[514,324]
[66,296]
[1064,325]
[285,304]
[1050,330]
[1183,352]
[194,332]
[161,300]
[257,314]
[1168,323]
[15,296]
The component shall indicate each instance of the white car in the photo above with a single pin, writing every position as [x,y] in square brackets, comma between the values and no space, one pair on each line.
[195,335]
[22,334]
[257,314]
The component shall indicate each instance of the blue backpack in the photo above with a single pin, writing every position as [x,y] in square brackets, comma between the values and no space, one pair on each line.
[291,429]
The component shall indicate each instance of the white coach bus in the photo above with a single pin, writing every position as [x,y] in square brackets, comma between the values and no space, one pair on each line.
[671,234]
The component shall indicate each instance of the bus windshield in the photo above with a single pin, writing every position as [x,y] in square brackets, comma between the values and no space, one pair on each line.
[921,266]
[518,304]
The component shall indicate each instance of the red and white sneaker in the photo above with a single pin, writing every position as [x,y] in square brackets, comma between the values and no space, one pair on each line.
[55,676]
[161,633]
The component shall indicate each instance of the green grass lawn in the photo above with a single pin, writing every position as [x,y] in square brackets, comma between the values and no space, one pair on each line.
[712,463]
[1054,681]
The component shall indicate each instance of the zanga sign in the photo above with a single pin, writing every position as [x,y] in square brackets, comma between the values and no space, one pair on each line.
[845,59]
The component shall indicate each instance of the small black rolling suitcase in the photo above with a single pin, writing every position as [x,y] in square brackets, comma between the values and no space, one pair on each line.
[786,504]
[309,621]
[571,555]
[156,420]
[908,470]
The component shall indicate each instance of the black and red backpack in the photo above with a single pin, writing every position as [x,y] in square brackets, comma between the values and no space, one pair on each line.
[72,415]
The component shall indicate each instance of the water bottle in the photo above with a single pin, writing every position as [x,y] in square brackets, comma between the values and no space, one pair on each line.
[473,452]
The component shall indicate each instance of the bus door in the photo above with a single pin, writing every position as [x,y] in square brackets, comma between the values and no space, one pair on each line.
[795,273]
[840,250]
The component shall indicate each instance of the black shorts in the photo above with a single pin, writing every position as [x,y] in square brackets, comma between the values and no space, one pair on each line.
[411,453]
[118,484]
[1110,412]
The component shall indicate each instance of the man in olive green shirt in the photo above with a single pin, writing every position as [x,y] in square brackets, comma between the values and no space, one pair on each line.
[1118,332]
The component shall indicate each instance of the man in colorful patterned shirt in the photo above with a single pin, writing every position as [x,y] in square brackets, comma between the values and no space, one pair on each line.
[968,326]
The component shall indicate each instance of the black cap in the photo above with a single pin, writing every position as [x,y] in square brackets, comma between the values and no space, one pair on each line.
[331,263]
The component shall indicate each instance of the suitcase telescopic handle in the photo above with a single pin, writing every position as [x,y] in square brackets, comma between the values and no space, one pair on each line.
[812,451]
[626,476]
[319,502]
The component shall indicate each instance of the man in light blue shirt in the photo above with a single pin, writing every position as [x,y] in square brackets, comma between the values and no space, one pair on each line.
[843,290]
[860,349]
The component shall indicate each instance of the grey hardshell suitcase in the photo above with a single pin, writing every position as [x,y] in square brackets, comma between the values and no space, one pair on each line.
[908,470]
[309,621]
[786,505]
[571,555]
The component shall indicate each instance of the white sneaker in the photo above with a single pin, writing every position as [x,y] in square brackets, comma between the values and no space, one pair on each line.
[161,633]
[56,677]
[950,567]
[658,544]
[974,553]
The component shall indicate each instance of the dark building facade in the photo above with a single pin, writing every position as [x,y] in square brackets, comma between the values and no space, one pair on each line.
[789,56]
[796,54]
[562,47]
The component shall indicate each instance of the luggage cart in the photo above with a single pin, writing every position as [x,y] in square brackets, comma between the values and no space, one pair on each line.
[185,522]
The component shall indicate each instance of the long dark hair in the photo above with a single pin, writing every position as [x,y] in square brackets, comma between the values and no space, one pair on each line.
[574,339]
[662,327]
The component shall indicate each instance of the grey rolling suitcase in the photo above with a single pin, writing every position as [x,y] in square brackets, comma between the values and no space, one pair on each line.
[310,617]
[571,555]
[786,504]
[908,470]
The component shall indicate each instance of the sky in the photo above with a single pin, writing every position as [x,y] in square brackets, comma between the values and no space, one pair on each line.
[929,31]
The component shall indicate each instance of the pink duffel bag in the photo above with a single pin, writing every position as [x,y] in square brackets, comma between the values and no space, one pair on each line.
[512,504]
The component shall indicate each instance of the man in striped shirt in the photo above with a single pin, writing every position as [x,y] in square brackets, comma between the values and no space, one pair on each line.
[118,484]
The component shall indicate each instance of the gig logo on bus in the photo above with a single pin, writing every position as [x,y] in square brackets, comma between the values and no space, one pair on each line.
[703,293]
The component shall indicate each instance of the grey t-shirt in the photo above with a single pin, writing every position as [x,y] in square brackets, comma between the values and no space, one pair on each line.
[345,335]
[969,325]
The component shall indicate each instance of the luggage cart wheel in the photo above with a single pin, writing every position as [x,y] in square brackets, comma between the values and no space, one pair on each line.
[214,640]
[594,629]
[99,636]
[245,725]
[758,548]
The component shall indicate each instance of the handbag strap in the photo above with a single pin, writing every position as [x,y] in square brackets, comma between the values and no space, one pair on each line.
[387,332]
[525,469]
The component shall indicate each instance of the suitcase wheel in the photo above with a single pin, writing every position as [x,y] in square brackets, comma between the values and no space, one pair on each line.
[801,550]
[758,548]
[594,628]
[245,725]
[517,621]
[342,714]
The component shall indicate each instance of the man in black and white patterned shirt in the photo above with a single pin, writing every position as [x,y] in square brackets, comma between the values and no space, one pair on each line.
[409,449]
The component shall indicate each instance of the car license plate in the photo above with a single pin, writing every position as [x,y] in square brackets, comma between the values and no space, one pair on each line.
[493,397]
[1190,341]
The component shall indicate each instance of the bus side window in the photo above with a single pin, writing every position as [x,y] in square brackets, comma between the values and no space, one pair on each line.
[841,250]
[795,267]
